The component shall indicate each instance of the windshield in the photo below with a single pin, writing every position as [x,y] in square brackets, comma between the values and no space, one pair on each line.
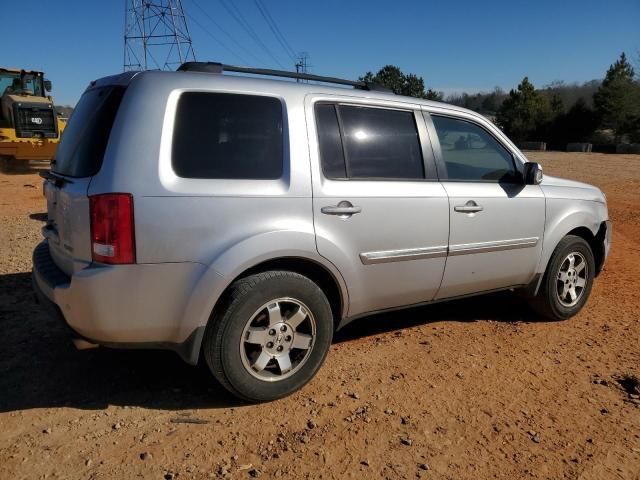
[21,84]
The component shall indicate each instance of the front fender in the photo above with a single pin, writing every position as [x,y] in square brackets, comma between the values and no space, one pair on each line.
[242,256]
[563,216]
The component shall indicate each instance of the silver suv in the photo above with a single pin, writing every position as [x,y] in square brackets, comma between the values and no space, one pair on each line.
[245,219]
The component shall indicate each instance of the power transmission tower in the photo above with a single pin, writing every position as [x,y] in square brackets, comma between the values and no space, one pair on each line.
[302,65]
[156,35]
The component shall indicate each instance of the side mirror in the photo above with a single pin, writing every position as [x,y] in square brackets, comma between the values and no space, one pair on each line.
[47,85]
[532,173]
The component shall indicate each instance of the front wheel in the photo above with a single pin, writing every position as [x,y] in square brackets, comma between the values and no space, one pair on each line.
[568,280]
[270,336]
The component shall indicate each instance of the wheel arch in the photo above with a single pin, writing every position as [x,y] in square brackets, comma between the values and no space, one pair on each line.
[578,223]
[311,269]
[257,254]
[596,242]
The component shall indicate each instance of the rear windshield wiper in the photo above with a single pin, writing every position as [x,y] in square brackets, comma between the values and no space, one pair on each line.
[56,179]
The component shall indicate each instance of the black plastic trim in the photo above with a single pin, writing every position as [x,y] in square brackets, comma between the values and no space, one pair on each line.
[47,270]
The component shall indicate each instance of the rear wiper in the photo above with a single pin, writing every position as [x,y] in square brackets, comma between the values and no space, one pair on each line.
[56,179]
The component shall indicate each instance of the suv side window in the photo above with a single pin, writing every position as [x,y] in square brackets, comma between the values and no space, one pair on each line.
[368,143]
[470,153]
[228,136]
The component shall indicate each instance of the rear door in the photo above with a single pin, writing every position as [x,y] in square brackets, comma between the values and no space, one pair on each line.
[497,222]
[78,157]
[380,214]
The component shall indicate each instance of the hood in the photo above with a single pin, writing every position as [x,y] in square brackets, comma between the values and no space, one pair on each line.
[564,188]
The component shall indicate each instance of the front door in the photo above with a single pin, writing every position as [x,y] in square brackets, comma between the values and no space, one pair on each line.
[497,222]
[380,215]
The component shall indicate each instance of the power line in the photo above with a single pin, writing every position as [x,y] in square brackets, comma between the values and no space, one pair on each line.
[274,28]
[238,17]
[219,27]
[220,42]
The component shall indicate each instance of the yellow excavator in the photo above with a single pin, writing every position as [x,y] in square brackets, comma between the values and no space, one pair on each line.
[29,125]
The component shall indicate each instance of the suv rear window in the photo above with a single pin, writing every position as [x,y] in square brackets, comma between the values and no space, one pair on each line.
[84,141]
[228,136]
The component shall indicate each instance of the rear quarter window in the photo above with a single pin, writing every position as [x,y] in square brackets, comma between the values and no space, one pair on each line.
[228,136]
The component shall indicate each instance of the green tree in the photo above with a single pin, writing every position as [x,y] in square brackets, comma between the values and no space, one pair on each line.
[525,113]
[576,125]
[400,83]
[557,105]
[617,101]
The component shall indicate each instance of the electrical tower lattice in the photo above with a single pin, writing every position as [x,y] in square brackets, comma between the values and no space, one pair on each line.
[156,35]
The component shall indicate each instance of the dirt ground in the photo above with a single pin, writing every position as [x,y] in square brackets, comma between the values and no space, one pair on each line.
[472,389]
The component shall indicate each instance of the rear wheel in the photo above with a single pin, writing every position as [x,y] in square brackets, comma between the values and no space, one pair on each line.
[568,280]
[270,336]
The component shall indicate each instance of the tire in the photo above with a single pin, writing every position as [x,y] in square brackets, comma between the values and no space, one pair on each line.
[554,299]
[262,319]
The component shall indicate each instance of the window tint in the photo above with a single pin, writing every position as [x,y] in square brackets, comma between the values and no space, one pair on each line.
[471,153]
[84,141]
[228,136]
[331,153]
[381,143]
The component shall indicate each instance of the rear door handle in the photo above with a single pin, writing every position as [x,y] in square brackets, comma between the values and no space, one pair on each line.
[343,208]
[469,207]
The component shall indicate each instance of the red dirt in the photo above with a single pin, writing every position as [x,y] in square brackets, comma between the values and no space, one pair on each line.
[480,388]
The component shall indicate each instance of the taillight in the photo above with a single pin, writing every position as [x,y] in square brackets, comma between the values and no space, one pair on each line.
[112,228]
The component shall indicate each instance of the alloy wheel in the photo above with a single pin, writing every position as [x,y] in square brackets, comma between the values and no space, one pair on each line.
[572,279]
[277,339]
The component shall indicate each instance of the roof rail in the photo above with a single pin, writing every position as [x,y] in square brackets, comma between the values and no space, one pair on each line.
[215,67]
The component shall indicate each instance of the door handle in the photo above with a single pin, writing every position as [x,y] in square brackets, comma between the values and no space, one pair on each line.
[469,207]
[344,209]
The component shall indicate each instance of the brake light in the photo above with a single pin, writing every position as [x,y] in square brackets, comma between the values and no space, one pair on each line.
[112,228]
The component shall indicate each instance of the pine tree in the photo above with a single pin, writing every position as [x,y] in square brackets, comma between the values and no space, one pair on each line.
[400,83]
[525,112]
[617,101]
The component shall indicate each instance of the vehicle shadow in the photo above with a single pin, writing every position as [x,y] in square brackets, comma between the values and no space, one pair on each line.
[41,368]
[40,217]
[498,307]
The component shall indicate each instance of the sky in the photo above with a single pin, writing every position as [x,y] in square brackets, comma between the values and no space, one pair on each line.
[455,45]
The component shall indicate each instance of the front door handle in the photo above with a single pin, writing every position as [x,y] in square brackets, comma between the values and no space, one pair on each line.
[469,207]
[343,209]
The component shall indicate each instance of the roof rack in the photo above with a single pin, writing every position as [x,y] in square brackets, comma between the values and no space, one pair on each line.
[215,67]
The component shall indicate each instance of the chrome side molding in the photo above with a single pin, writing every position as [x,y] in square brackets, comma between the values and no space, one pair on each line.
[496,246]
[386,256]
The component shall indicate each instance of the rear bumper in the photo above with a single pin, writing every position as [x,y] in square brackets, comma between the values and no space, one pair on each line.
[127,306]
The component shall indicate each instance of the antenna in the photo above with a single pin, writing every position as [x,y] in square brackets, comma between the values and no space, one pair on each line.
[156,35]
[302,65]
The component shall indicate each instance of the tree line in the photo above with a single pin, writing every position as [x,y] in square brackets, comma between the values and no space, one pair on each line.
[599,112]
